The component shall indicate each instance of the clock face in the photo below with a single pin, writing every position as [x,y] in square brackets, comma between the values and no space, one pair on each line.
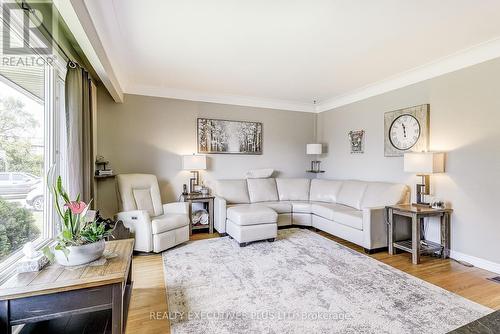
[404,132]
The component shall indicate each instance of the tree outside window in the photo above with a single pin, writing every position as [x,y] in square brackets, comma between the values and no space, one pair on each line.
[21,168]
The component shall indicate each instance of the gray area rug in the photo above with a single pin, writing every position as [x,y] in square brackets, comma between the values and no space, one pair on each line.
[302,283]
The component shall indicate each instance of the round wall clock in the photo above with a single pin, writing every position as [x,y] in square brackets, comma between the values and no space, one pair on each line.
[404,132]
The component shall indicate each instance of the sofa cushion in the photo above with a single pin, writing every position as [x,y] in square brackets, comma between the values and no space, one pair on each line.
[384,193]
[233,191]
[326,210]
[262,173]
[293,189]
[251,215]
[301,207]
[168,222]
[262,190]
[351,193]
[349,217]
[339,213]
[324,190]
[279,207]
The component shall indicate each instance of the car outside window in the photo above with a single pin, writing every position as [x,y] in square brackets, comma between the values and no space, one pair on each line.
[18,177]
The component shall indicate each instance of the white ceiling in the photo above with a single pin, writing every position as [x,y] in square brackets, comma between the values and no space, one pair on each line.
[286,54]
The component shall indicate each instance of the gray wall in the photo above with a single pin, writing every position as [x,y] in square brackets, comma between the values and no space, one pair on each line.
[150,134]
[465,122]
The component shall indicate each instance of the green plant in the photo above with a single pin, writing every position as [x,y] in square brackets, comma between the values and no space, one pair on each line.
[93,232]
[15,123]
[74,230]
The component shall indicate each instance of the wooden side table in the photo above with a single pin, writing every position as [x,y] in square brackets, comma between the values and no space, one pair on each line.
[416,246]
[57,291]
[208,201]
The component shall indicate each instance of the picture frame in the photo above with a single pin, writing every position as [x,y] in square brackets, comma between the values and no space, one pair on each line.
[220,136]
[357,141]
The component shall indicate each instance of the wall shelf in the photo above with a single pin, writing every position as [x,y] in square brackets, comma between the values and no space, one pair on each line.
[98,177]
[102,162]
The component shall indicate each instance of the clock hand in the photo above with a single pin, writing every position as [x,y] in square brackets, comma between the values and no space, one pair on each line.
[404,130]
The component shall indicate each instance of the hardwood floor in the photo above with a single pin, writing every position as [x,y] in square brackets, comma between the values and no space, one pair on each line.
[149,293]
[148,303]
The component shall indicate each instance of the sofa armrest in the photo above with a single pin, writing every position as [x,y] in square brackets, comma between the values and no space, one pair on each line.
[139,223]
[374,227]
[220,214]
[176,207]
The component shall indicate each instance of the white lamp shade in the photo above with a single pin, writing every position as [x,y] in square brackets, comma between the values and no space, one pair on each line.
[194,162]
[314,149]
[424,162]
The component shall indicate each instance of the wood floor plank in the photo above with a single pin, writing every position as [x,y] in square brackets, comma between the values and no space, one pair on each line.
[148,297]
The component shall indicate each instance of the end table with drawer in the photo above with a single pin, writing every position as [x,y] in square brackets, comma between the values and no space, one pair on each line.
[56,296]
[417,245]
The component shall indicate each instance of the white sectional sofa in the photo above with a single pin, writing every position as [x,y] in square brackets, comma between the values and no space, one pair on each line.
[352,210]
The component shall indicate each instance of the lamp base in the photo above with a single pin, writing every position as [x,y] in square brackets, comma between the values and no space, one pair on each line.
[315,166]
[422,189]
[194,181]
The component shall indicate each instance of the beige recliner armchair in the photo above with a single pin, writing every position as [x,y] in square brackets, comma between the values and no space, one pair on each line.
[156,226]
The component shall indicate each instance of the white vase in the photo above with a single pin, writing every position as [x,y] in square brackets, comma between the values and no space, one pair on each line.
[80,254]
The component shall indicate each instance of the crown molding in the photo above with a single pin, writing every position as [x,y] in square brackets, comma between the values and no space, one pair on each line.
[238,100]
[462,59]
[79,22]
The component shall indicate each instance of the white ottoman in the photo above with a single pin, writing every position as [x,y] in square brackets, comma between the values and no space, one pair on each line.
[247,223]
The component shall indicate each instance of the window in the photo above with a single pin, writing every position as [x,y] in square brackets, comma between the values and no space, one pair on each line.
[31,107]
[22,130]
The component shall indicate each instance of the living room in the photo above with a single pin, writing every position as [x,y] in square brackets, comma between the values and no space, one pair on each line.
[249,167]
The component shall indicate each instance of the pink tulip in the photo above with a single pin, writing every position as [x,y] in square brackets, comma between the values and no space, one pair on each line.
[76,207]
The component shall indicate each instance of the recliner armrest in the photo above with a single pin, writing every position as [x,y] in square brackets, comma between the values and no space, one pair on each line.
[133,215]
[176,207]
[139,223]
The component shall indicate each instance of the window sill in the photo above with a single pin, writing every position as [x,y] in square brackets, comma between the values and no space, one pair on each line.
[8,265]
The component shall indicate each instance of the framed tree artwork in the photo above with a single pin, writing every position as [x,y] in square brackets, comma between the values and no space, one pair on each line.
[217,136]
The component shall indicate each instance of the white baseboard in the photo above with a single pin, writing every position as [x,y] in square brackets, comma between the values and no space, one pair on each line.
[476,261]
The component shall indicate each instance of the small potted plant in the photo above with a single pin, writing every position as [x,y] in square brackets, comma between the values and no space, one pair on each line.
[79,241]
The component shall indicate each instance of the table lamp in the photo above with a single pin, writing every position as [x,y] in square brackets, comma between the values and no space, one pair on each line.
[423,164]
[314,149]
[194,163]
